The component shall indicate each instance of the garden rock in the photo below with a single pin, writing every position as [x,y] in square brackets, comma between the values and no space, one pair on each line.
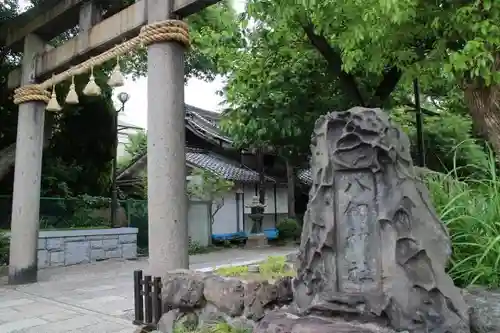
[372,244]
[182,289]
[484,310]
[258,297]
[226,294]
[168,320]
[292,257]
[204,298]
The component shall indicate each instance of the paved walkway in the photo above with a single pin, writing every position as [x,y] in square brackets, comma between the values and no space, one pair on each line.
[95,297]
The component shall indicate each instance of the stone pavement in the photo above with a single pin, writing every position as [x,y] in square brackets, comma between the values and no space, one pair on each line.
[94,297]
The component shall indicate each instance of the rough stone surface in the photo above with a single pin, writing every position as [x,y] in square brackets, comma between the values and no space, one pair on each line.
[193,297]
[258,297]
[373,246]
[225,294]
[182,289]
[279,322]
[268,307]
[292,257]
[484,311]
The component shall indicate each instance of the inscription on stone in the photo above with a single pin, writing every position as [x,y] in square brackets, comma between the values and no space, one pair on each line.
[372,244]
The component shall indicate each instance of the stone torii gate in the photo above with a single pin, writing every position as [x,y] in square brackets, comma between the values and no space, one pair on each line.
[167,200]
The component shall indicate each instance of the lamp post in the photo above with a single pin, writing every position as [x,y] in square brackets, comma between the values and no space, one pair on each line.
[123,97]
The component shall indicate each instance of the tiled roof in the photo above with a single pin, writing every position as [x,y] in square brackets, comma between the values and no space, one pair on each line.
[305,176]
[203,125]
[213,115]
[198,158]
[222,167]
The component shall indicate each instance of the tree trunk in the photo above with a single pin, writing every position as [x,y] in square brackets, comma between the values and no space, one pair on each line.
[484,109]
[290,175]
[8,154]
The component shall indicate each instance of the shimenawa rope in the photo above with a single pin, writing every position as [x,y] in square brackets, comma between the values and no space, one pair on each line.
[169,30]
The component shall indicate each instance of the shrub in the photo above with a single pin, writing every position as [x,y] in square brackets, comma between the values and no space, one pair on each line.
[4,249]
[272,268]
[288,229]
[195,247]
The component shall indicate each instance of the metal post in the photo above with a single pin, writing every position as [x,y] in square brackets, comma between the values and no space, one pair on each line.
[138,300]
[114,191]
[123,97]
[148,301]
[419,121]
[157,308]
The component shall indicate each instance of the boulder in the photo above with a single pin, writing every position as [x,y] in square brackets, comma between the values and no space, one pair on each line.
[484,309]
[259,296]
[182,289]
[226,294]
[372,244]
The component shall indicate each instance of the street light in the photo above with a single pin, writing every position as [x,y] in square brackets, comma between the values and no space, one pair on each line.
[123,97]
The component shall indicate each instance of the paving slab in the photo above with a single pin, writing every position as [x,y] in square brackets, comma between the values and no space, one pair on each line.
[96,297]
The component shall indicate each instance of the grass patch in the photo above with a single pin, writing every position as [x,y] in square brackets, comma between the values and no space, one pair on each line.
[271,269]
[470,208]
[220,327]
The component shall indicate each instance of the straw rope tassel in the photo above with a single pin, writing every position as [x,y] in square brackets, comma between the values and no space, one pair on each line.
[72,97]
[168,30]
[116,78]
[92,89]
[53,104]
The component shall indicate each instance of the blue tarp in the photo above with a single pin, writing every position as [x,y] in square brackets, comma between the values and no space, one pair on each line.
[271,233]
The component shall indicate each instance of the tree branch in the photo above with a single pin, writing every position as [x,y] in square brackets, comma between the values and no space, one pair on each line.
[334,60]
[385,87]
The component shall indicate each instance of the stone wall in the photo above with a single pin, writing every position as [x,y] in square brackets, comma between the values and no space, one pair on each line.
[71,247]
[195,299]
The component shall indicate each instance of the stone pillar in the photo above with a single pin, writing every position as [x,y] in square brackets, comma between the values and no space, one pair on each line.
[90,14]
[27,177]
[167,199]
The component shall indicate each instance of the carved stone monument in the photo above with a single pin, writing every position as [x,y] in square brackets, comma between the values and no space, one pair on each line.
[373,248]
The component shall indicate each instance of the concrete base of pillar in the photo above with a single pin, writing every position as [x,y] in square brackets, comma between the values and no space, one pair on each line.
[256,241]
[23,276]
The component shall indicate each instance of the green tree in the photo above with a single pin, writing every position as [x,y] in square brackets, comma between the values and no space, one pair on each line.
[387,40]
[82,136]
[207,186]
[370,53]
[370,47]
[137,144]
[211,31]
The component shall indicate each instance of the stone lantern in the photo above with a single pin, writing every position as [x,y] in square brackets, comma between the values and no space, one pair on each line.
[256,214]
[256,237]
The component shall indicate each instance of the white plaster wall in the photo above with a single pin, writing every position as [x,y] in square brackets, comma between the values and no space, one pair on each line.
[225,220]
[199,222]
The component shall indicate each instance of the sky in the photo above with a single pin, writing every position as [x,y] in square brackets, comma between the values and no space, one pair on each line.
[197,92]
